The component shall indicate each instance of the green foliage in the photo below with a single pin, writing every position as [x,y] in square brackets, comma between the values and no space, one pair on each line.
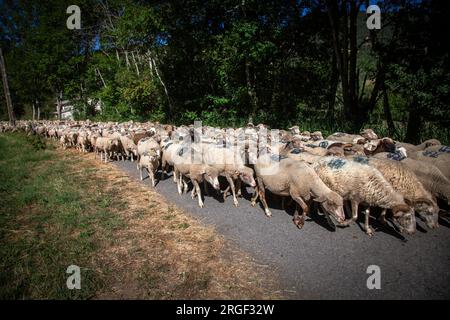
[226,62]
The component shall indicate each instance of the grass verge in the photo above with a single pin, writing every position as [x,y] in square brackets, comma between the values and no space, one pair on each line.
[62,208]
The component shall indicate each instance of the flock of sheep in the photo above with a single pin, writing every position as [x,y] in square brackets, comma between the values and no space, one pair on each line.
[351,171]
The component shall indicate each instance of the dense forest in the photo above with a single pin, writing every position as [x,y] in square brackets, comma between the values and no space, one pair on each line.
[226,62]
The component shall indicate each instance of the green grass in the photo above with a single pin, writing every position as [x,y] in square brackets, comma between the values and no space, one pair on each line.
[49,221]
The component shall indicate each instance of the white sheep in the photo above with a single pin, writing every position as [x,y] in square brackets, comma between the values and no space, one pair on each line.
[360,183]
[150,161]
[404,180]
[298,180]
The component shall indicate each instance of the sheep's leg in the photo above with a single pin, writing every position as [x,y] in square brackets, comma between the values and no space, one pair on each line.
[225,192]
[230,181]
[199,193]
[205,187]
[140,174]
[255,196]
[367,227]
[152,176]
[354,205]
[299,221]
[382,217]
[177,180]
[262,196]
[193,193]
[185,186]
[238,187]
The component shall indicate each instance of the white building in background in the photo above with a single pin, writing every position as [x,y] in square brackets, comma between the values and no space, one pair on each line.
[67,109]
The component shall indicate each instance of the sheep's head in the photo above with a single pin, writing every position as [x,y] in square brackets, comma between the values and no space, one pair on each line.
[152,155]
[316,136]
[432,142]
[405,219]
[211,175]
[333,204]
[369,134]
[388,145]
[335,151]
[429,211]
[246,175]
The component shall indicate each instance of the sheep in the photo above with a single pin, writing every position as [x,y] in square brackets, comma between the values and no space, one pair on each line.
[146,144]
[345,137]
[299,154]
[83,142]
[287,177]
[440,159]
[197,172]
[72,136]
[107,146]
[64,141]
[429,175]
[404,180]
[129,147]
[92,139]
[368,134]
[150,161]
[438,148]
[169,150]
[364,184]
[229,162]
[380,145]
[410,148]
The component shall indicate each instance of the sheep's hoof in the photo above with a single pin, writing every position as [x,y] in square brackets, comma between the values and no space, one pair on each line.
[268,213]
[370,232]
[299,222]
[201,205]
[253,203]
[236,203]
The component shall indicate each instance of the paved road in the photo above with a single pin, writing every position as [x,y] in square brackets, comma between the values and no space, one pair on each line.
[319,263]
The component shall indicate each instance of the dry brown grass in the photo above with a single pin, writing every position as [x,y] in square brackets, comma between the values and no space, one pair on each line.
[164,253]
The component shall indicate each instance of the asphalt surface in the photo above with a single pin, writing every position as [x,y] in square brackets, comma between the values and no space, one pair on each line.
[319,263]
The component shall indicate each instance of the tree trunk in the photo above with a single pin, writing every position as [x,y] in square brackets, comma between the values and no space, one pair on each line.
[59,105]
[135,63]
[353,79]
[251,89]
[414,124]
[34,112]
[152,63]
[101,78]
[334,81]
[387,112]
[38,110]
[9,105]
[126,59]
